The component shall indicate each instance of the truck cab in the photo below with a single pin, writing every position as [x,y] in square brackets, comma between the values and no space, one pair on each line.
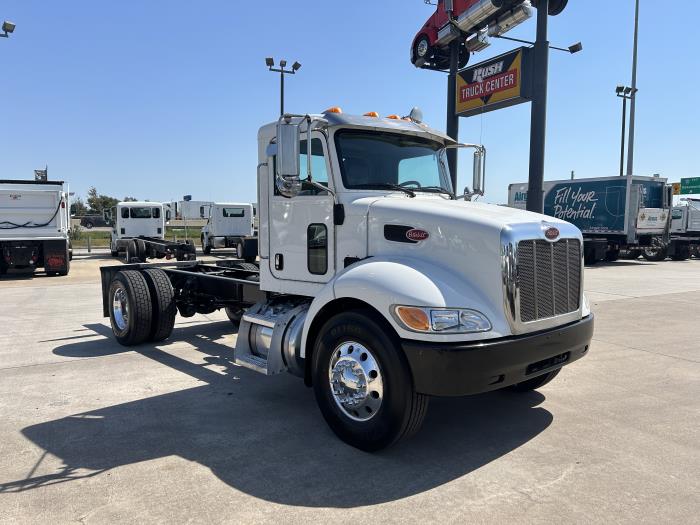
[228,225]
[375,282]
[136,219]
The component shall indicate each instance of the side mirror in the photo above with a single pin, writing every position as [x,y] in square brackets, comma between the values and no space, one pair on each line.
[288,168]
[479,174]
[167,215]
[107,216]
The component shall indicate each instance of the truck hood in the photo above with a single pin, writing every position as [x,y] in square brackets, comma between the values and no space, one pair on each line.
[464,240]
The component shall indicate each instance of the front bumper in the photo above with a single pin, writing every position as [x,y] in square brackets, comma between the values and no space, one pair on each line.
[457,369]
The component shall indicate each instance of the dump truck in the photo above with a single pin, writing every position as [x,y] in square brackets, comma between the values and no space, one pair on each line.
[613,213]
[34,226]
[374,281]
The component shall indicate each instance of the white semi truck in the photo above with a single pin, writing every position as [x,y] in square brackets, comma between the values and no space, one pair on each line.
[375,283]
[34,226]
[138,232]
[684,240]
[230,225]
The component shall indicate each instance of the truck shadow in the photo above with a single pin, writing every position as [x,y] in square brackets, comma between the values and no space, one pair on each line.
[266,437]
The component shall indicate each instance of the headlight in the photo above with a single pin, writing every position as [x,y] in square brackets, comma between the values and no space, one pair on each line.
[442,320]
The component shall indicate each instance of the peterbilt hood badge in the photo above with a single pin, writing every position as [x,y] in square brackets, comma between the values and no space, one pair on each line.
[551,233]
[417,235]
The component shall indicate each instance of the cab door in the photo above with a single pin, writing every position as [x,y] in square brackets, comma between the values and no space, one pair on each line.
[302,236]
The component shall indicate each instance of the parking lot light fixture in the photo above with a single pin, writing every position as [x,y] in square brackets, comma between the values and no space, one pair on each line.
[7,28]
[270,63]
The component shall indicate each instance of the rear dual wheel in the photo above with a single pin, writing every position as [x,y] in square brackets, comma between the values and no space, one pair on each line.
[141,306]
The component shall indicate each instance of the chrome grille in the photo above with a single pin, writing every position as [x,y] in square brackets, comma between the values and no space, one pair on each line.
[549,278]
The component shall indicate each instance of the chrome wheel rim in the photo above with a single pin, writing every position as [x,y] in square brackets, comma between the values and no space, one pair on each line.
[356,381]
[422,48]
[120,309]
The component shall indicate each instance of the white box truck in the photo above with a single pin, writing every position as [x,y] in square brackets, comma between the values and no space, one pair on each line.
[34,226]
[230,225]
[375,283]
[613,213]
[138,232]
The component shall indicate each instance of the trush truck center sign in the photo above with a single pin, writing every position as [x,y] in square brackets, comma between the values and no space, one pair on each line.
[494,84]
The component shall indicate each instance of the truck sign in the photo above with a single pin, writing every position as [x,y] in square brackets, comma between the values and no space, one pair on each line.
[494,84]
[690,186]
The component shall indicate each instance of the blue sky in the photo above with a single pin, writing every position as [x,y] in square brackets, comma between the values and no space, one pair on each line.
[161,98]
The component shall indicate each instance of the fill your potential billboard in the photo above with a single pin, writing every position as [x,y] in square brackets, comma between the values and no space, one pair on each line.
[494,84]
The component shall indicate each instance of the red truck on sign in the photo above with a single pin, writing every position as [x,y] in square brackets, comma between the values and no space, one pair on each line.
[477,19]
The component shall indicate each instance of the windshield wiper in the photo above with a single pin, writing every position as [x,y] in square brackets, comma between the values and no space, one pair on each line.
[437,189]
[389,186]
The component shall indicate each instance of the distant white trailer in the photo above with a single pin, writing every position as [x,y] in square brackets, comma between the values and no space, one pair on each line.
[191,210]
[34,226]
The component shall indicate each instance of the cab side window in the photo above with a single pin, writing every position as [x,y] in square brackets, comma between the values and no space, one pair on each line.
[319,170]
[125,213]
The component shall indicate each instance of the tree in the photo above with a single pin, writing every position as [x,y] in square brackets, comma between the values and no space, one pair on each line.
[130,199]
[78,208]
[98,203]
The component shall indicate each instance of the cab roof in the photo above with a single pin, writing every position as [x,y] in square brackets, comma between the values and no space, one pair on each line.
[139,203]
[342,120]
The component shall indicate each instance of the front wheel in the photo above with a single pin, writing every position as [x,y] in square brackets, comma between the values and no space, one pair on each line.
[363,384]
[421,49]
[206,248]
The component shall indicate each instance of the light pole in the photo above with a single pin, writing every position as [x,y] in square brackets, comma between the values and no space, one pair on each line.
[633,101]
[270,63]
[7,28]
[625,93]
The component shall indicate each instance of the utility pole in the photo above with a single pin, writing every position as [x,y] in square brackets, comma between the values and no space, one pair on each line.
[452,117]
[452,126]
[622,140]
[538,125]
[633,101]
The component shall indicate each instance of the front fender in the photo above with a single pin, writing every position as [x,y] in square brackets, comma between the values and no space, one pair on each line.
[384,283]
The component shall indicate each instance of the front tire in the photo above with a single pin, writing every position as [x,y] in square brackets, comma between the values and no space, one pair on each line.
[421,49]
[130,309]
[363,384]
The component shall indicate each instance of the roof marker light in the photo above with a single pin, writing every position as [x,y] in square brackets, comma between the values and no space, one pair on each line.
[394,117]
[373,114]
[334,109]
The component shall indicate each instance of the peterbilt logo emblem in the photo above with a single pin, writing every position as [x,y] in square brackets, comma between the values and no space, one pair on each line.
[551,233]
[417,235]
[15,196]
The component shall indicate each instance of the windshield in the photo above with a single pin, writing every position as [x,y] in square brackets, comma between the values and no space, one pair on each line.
[371,159]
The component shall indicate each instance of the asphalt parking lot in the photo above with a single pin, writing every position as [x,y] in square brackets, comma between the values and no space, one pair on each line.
[93,432]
